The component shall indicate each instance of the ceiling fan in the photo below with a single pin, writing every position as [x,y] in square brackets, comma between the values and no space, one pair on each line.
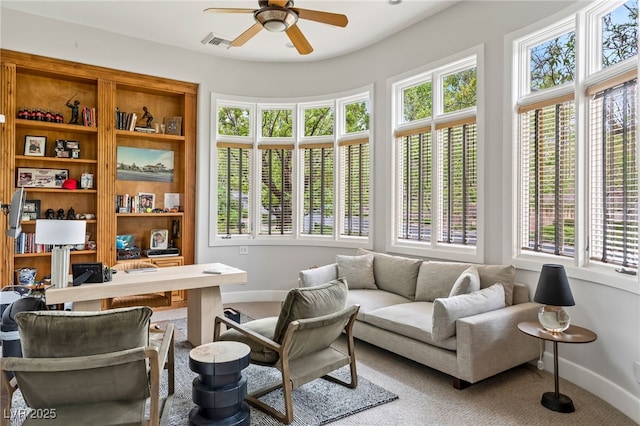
[280,15]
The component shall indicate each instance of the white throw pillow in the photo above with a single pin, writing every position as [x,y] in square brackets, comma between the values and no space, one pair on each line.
[358,270]
[467,282]
[447,310]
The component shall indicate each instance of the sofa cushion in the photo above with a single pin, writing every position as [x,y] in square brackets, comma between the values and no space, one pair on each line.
[316,276]
[467,282]
[447,310]
[370,300]
[310,302]
[436,279]
[413,320]
[396,274]
[358,270]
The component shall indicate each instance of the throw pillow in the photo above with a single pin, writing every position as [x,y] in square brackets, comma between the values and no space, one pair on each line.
[311,302]
[447,310]
[503,274]
[467,282]
[358,270]
[395,274]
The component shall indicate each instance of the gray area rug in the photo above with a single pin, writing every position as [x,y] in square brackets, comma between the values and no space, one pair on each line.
[317,403]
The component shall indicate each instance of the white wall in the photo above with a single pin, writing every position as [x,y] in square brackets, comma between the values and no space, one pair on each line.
[604,367]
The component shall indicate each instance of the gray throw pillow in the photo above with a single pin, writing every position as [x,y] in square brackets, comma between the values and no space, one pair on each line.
[395,274]
[358,271]
[467,282]
[447,310]
[311,302]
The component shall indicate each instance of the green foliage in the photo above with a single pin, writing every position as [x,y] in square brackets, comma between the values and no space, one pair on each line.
[620,34]
[417,102]
[233,121]
[357,117]
[277,123]
[553,62]
[460,90]
[319,121]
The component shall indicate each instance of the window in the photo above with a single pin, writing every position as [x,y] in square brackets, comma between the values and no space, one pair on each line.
[579,83]
[436,161]
[289,171]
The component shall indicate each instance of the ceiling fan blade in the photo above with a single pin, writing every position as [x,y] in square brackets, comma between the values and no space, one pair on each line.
[228,10]
[299,40]
[324,17]
[281,3]
[247,35]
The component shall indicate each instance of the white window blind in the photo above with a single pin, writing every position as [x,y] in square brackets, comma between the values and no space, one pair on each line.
[414,153]
[458,178]
[318,217]
[547,182]
[276,189]
[614,175]
[354,157]
[234,177]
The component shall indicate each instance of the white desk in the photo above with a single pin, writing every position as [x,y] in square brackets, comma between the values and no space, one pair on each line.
[203,293]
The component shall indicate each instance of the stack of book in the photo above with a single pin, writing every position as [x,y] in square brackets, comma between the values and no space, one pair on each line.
[126,121]
[25,243]
[89,117]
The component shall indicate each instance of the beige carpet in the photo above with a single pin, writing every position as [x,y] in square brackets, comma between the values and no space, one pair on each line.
[428,398]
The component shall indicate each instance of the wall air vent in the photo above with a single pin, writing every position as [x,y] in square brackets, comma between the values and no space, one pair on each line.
[216,40]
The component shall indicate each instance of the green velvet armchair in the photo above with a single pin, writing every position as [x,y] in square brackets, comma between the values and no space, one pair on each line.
[298,341]
[91,367]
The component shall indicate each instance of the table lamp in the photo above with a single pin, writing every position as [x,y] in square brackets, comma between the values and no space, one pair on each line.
[61,234]
[554,292]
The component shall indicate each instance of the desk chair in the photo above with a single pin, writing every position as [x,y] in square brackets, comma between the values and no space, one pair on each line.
[298,341]
[153,300]
[88,368]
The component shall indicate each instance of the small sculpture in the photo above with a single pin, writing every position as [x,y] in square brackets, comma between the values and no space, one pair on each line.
[71,214]
[49,214]
[60,214]
[148,116]
[74,109]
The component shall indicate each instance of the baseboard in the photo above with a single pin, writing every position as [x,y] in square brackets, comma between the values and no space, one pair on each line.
[254,296]
[601,387]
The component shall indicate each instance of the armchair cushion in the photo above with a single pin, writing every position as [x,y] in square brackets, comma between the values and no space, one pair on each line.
[124,328]
[310,302]
[260,354]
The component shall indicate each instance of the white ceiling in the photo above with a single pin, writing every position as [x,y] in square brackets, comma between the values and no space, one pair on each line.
[183,24]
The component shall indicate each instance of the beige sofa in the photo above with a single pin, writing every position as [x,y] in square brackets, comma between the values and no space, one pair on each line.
[458,318]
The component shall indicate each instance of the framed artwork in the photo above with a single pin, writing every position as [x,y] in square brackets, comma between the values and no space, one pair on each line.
[31,210]
[159,238]
[142,164]
[147,201]
[35,145]
[41,178]
[173,125]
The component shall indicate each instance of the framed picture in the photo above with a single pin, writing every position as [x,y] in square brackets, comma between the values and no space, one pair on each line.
[173,125]
[159,238]
[35,145]
[31,210]
[159,164]
[41,178]
[147,201]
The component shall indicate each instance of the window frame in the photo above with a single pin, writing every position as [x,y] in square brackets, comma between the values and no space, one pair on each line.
[586,21]
[435,73]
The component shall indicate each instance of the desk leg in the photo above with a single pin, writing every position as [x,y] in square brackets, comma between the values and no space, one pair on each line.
[555,400]
[203,305]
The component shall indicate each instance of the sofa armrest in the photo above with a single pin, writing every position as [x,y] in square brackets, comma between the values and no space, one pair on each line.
[490,343]
[318,276]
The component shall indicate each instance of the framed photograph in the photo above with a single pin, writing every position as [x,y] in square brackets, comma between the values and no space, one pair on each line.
[158,164]
[35,145]
[147,201]
[31,210]
[173,125]
[41,178]
[159,238]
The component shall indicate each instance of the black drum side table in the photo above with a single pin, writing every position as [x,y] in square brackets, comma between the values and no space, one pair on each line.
[220,388]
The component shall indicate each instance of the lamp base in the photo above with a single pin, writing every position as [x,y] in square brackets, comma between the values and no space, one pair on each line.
[561,404]
[554,318]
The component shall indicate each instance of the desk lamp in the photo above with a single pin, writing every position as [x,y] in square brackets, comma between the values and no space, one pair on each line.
[61,234]
[554,292]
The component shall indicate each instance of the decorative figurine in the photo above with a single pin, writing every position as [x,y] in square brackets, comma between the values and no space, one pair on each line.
[49,214]
[71,214]
[74,109]
[148,116]
[60,214]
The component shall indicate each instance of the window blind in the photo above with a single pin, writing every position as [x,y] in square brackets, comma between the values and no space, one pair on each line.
[234,177]
[318,218]
[354,163]
[614,175]
[276,190]
[547,159]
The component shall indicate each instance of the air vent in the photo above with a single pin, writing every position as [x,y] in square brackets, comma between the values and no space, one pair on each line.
[216,40]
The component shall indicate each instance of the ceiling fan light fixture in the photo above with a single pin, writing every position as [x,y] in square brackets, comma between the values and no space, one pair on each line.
[276,19]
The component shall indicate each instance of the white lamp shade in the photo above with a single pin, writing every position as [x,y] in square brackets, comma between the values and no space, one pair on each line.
[60,232]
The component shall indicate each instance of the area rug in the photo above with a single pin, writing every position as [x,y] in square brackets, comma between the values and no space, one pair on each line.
[316,403]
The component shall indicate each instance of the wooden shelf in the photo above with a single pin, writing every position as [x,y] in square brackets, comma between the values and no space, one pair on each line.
[33,222]
[56,127]
[60,190]
[149,136]
[168,214]
[56,159]
[48,253]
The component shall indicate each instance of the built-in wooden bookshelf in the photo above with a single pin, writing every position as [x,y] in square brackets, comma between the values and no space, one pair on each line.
[29,82]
